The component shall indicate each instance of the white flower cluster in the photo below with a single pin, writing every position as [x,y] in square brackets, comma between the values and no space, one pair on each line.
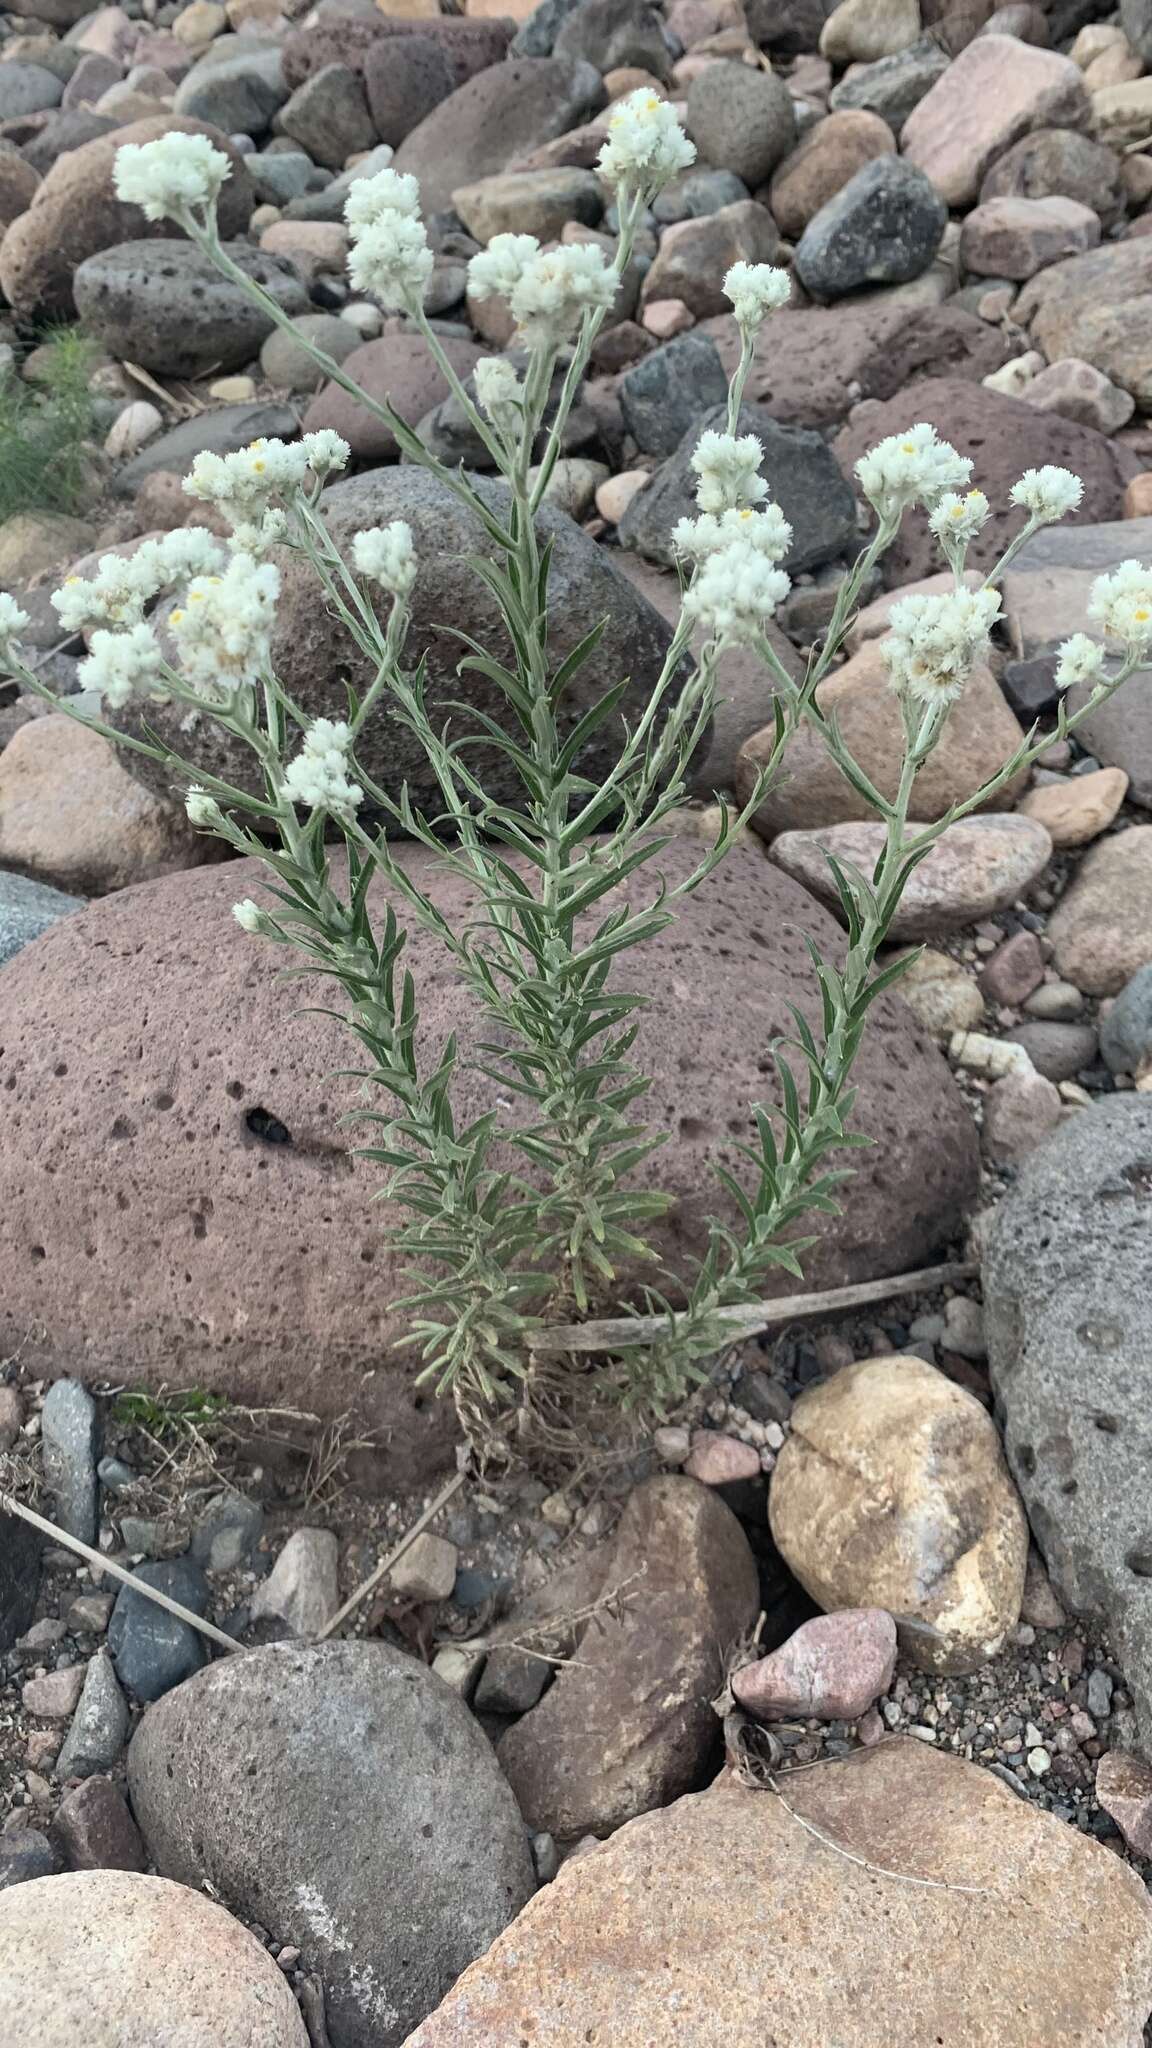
[737,547]
[495,272]
[242,486]
[387,555]
[957,520]
[735,591]
[727,468]
[548,290]
[1080,660]
[12,622]
[1047,494]
[499,392]
[646,145]
[248,915]
[935,642]
[223,630]
[202,809]
[171,178]
[766,530]
[915,468]
[318,775]
[1122,604]
[390,257]
[756,289]
[123,665]
[124,585]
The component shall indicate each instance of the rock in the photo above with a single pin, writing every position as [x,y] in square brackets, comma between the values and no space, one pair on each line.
[974,869]
[1124,1790]
[75,213]
[696,193]
[313,1785]
[303,1586]
[152,1649]
[329,116]
[614,496]
[95,1831]
[511,1682]
[27,89]
[1101,931]
[503,113]
[19,1577]
[1014,238]
[893,85]
[399,368]
[803,482]
[980,735]
[1058,163]
[892,1488]
[287,364]
[1004,436]
[26,910]
[695,256]
[741,120]
[405,79]
[1019,1111]
[227,1531]
[427,1570]
[832,1668]
[119,1956]
[1138,495]
[718,1460]
[883,227]
[173,311]
[1078,391]
[1067,1322]
[70,1439]
[18,182]
[311,248]
[668,1899]
[994,92]
[537,33]
[1126,1030]
[99,1725]
[1077,808]
[630,1725]
[234,1047]
[614,34]
[131,428]
[237,94]
[663,394]
[828,157]
[1011,973]
[862,31]
[1120,112]
[223,430]
[11,1417]
[26,1855]
[355,40]
[1093,307]
[33,543]
[528,203]
[71,816]
[940,992]
[1058,1051]
[54,1697]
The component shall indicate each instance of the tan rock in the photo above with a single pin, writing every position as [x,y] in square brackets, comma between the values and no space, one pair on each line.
[831,153]
[628,1724]
[1016,237]
[861,31]
[995,91]
[941,993]
[667,317]
[1101,932]
[71,815]
[616,493]
[1093,39]
[123,1958]
[1138,496]
[1123,113]
[892,1491]
[199,22]
[1097,307]
[1118,65]
[1019,1111]
[980,735]
[1079,391]
[1078,809]
[737,1917]
[34,543]
[311,246]
[975,868]
[528,203]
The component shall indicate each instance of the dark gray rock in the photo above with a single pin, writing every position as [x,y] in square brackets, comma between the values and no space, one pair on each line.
[612,34]
[1068,1317]
[19,1577]
[279,174]
[1058,1051]
[27,89]
[344,1797]
[169,309]
[883,227]
[1136,21]
[662,395]
[328,116]
[152,1649]
[27,909]
[405,78]
[741,120]
[227,1532]
[786,27]
[99,1726]
[1030,686]
[25,1855]
[70,1439]
[237,94]
[69,129]
[696,194]
[327,202]
[223,430]
[802,475]
[893,85]
[536,37]
[1126,1032]
[511,1682]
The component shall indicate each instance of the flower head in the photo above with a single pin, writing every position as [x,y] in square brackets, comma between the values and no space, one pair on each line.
[765,530]
[557,288]
[646,145]
[325,450]
[727,466]
[1047,494]
[171,178]
[123,665]
[735,591]
[498,390]
[223,629]
[956,520]
[1122,604]
[495,272]
[914,468]
[390,257]
[935,642]
[248,915]
[12,622]
[369,200]
[318,775]
[386,554]
[755,290]
[1080,660]
[202,809]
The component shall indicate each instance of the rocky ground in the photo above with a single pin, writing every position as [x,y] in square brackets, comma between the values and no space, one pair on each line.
[893,1569]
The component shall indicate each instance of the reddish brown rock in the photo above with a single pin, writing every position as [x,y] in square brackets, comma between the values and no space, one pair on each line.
[1019,1112]
[628,1724]
[995,92]
[1101,930]
[1124,1790]
[716,1459]
[831,153]
[976,867]
[1004,437]
[75,212]
[1016,237]
[504,112]
[195,1153]
[696,255]
[364,44]
[399,368]
[95,1831]
[833,1667]
[1014,970]
[1062,163]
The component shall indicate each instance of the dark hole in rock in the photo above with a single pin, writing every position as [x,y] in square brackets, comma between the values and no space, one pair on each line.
[263,1124]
